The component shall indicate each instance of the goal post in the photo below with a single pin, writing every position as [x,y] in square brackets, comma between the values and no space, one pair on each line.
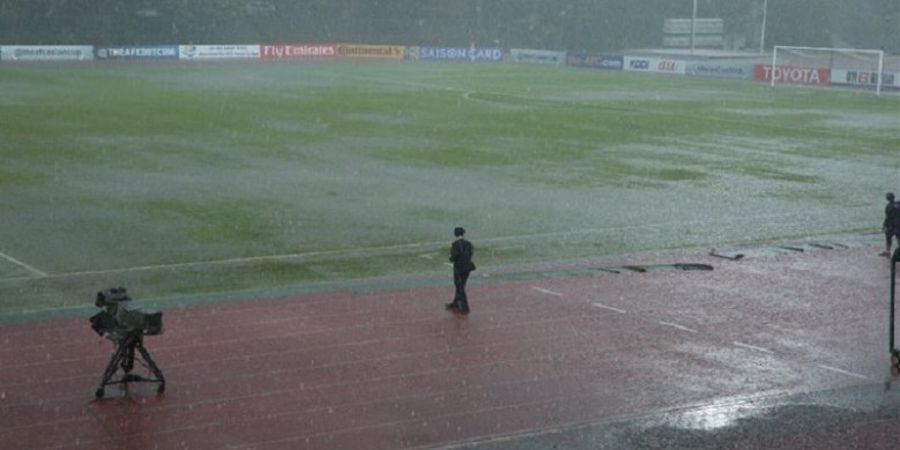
[860,68]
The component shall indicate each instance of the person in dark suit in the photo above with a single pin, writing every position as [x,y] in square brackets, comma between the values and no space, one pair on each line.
[461,257]
[891,226]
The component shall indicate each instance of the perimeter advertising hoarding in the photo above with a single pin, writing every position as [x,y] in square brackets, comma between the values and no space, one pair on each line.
[595,61]
[218,51]
[298,51]
[791,74]
[47,52]
[152,52]
[542,57]
[654,65]
[731,70]
[372,51]
[471,54]
[889,80]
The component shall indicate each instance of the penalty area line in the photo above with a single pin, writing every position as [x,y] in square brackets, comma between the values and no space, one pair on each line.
[32,270]
[243,260]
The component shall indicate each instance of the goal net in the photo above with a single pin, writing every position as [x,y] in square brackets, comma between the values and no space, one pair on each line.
[862,69]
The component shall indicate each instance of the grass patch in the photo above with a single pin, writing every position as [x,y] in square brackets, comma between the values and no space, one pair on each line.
[133,165]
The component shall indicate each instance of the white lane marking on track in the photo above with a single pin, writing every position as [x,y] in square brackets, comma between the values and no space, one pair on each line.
[601,305]
[753,347]
[842,371]
[31,269]
[547,291]
[676,326]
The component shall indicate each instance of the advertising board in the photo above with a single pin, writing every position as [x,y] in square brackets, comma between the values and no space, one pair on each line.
[889,80]
[791,74]
[731,70]
[471,54]
[654,65]
[47,52]
[595,61]
[149,52]
[542,57]
[298,51]
[357,51]
[218,51]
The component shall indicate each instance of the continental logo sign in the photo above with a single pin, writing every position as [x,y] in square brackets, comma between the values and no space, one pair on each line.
[372,51]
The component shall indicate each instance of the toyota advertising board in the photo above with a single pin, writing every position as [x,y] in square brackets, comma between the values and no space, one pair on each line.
[47,52]
[792,74]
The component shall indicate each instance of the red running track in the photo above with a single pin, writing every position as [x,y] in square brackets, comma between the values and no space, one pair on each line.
[394,370]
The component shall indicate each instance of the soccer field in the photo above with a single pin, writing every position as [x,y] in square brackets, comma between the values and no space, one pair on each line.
[204,178]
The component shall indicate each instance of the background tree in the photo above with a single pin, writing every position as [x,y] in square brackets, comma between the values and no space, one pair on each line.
[595,25]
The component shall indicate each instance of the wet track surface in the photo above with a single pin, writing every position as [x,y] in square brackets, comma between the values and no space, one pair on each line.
[778,350]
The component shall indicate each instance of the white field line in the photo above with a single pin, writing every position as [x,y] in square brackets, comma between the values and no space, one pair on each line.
[753,347]
[547,291]
[601,305]
[367,251]
[678,327]
[842,371]
[31,269]
[287,256]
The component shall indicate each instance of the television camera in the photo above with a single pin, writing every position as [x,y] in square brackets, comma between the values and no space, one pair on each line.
[126,326]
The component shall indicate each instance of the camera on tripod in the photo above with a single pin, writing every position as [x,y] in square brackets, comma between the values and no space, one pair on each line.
[126,326]
[119,318]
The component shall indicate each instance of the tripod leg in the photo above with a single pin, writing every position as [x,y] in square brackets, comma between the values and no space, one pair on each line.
[111,369]
[153,368]
[128,362]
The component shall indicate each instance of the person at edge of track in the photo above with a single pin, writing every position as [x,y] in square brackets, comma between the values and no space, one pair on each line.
[461,256]
[891,226]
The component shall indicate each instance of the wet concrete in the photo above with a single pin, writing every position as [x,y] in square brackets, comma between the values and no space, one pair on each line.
[859,417]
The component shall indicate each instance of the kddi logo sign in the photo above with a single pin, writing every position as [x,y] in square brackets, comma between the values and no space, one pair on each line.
[639,64]
[653,65]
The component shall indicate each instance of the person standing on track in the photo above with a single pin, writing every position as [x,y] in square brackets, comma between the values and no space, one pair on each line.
[891,226]
[461,256]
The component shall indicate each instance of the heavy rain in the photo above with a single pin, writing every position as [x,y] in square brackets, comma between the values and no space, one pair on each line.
[490,224]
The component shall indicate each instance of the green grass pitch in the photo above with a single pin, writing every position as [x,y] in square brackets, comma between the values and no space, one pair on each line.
[178,179]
